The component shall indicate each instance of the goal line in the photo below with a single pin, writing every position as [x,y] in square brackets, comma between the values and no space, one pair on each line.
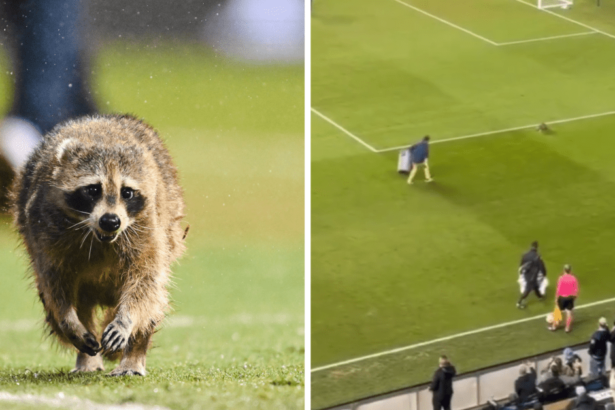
[592,29]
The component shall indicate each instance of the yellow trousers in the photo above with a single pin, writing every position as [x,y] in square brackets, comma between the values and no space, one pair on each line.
[415,167]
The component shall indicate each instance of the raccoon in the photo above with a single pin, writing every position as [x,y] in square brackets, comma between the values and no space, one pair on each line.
[99,208]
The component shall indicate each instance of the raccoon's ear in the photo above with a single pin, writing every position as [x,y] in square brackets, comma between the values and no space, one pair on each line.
[63,149]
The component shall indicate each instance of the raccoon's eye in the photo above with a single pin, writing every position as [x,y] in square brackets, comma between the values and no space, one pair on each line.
[93,190]
[128,193]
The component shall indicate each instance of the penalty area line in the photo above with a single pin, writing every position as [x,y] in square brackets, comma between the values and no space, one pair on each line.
[448,23]
[523,127]
[534,40]
[448,338]
[344,130]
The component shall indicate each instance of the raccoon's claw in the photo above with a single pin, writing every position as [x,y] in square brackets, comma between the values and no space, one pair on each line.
[126,372]
[87,344]
[115,337]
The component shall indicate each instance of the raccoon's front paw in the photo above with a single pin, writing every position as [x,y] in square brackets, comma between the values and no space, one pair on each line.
[115,336]
[86,343]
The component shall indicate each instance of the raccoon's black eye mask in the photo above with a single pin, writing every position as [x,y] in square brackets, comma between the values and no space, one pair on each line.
[135,202]
[85,198]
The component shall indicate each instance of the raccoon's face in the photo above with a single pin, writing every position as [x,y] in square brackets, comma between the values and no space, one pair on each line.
[104,192]
[109,207]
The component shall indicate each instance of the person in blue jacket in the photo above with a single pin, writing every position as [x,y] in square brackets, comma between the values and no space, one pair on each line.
[419,154]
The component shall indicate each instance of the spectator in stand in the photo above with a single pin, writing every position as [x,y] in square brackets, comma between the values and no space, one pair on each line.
[525,385]
[598,347]
[442,385]
[552,388]
[583,401]
[555,365]
[573,364]
[612,340]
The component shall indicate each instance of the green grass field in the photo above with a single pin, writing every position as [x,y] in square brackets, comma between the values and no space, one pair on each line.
[394,265]
[236,338]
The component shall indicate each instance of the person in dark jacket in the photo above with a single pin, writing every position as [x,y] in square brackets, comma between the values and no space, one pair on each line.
[612,340]
[525,385]
[532,275]
[598,346]
[553,388]
[442,385]
[419,157]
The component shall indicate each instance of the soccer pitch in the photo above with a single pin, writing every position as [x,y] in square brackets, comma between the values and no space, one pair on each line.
[395,266]
[236,337]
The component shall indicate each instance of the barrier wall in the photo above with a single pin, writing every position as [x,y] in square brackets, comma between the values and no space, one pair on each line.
[471,389]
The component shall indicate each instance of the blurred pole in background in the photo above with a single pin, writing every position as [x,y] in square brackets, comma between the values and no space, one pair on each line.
[48,68]
[259,31]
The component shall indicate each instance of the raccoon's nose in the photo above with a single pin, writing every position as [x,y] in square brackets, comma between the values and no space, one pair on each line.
[109,222]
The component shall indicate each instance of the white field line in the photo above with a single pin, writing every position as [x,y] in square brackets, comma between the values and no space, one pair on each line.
[344,130]
[447,338]
[72,403]
[524,127]
[568,19]
[533,40]
[448,23]
[508,43]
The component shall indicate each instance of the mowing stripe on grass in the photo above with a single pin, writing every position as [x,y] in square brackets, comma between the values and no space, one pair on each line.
[568,19]
[60,401]
[177,321]
[344,130]
[448,23]
[447,338]
[533,40]
[524,127]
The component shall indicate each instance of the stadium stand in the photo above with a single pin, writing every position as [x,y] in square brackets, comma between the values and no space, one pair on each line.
[490,388]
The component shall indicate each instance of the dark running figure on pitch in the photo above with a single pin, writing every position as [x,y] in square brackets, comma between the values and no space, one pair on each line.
[532,275]
[419,157]
[442,385]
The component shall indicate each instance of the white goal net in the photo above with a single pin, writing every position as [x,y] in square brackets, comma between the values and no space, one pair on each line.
[549,4]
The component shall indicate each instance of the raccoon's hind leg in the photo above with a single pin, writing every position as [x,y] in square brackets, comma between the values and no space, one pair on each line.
[133,358]
[87,363]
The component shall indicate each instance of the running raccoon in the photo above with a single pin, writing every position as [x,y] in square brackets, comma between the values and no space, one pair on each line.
[98,206]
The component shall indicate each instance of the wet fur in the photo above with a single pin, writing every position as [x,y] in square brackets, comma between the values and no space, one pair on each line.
[75,272]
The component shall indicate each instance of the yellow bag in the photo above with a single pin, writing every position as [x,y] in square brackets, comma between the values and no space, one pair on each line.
[557,315]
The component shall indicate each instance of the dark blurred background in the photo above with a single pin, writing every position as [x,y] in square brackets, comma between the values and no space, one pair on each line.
[250,30]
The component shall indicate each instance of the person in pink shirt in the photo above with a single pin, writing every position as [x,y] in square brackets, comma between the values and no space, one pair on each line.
[565,295]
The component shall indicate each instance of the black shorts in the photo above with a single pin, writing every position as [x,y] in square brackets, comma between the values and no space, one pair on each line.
[565,303]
